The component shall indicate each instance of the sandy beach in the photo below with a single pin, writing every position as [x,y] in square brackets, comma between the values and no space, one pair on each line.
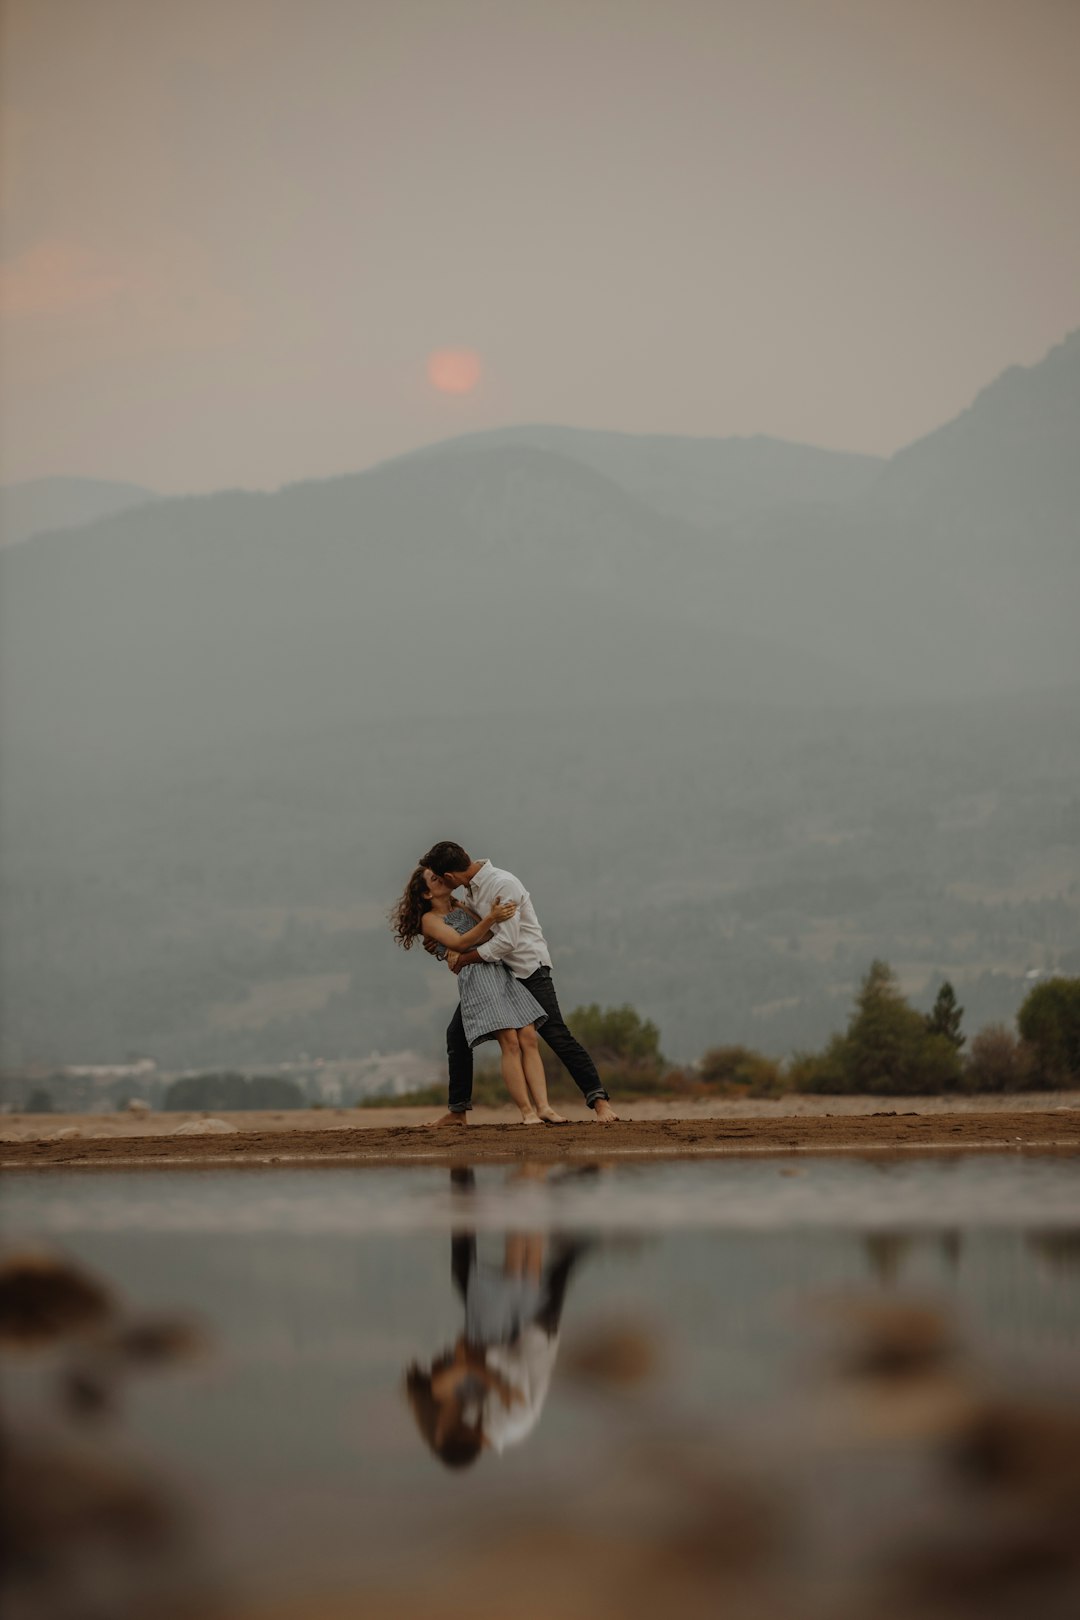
[1045,1122]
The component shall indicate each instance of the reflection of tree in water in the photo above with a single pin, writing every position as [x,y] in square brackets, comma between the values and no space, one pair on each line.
[886,1254]
[1060,1250]
[951,1245]
[87,1532]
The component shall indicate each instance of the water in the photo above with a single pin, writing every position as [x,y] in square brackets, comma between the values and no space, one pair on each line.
[696,1322]
[740,1194]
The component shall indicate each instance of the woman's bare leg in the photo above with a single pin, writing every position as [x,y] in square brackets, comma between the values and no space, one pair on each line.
[535,1078]
[514,1075]
[524,1255]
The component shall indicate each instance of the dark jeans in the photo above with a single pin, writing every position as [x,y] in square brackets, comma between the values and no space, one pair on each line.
[463,1258]
[570,1053]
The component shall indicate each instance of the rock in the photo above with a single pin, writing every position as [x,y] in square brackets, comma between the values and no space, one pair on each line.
[205,1127]
[66,1133]
[43,1296]
[615,1354]
[137,1106]
[892,1339]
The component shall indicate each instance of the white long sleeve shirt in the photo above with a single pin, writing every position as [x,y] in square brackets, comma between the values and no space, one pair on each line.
[519,943]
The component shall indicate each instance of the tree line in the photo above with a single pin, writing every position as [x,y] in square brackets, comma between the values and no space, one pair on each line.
[888,1048]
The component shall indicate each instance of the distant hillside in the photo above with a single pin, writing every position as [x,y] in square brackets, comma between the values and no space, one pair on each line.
[1002,480]
[709,482]
[43,504]
[490,580]
[957,571]
[730,870]
[733,760]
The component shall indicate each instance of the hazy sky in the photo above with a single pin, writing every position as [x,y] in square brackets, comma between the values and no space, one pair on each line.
[234,230]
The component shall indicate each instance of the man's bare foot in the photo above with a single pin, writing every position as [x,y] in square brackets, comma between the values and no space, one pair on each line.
[445,1119]
[550,1117]
[603,1113]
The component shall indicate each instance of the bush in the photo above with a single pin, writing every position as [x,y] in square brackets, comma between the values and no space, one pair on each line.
[231,1092]
[819,1072]
[624,1046]
[617,1035]
[740,1071]
[425,1097]
[1049,1021]
[999,1062]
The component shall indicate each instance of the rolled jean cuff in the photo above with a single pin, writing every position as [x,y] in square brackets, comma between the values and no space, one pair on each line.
[458,1108]
[593,1097]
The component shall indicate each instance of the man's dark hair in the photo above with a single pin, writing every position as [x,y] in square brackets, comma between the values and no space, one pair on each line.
[446,857]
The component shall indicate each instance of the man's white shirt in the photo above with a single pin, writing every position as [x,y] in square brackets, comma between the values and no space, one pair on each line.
[519,943]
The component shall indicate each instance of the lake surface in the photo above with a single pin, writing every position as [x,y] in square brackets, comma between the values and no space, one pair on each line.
[364,1327]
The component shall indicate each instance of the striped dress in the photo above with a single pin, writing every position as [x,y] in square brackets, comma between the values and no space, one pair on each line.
[491,998]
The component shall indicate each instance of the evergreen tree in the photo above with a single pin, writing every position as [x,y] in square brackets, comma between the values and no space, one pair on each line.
[886,1050]
[944,1019]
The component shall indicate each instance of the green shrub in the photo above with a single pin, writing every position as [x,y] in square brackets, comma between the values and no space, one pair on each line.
[425,1097]
[617,1035]
[231,1092]
[625,1048]
[740,1071]
[999,1062]
[1049,1021]
[820,1072]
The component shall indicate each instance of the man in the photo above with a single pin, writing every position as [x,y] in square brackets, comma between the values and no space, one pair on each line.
[521,945]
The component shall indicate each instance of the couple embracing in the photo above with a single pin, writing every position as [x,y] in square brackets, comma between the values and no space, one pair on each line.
[482,922]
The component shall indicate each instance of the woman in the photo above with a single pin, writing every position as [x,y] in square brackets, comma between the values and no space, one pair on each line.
[494,1005]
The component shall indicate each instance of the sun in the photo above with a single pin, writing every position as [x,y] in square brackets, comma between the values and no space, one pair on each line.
[454,371]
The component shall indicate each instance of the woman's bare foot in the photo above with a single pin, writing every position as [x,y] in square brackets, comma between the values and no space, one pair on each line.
[550,1117]
[445,1119]
[531,1118]
[603,1113]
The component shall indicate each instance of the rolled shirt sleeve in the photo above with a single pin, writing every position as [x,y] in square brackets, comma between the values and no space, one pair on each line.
[519,944]
[507,935]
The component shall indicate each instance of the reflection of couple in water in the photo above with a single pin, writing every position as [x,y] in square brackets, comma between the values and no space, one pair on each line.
[488,1391]
[482,922]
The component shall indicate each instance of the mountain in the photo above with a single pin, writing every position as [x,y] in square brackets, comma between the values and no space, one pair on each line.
[741,758]
[492,576]
[708,482]
[956,571]
[41,505]
[491,580]
[1002,480]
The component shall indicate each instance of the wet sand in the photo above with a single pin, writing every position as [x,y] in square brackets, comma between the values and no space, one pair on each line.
[1045,1122]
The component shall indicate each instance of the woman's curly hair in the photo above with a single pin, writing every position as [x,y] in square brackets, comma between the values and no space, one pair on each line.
[405,918]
